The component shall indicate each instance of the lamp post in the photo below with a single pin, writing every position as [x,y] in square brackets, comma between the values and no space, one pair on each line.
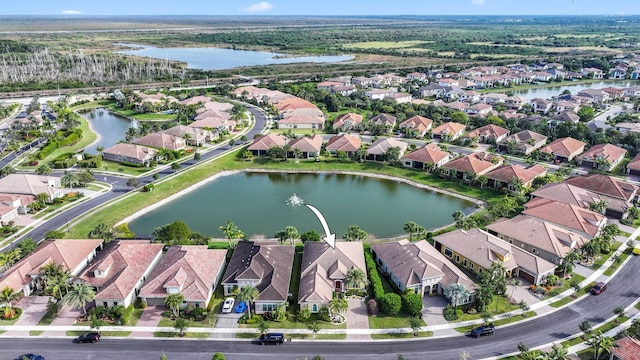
[67,222]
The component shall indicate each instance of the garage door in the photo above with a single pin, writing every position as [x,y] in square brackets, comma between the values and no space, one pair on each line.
[155,301]
[526,276]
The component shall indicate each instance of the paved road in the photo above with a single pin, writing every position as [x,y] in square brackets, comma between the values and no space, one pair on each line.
[623,290]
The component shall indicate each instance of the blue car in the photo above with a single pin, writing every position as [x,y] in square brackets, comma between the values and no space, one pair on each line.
[30,357]
[241,307]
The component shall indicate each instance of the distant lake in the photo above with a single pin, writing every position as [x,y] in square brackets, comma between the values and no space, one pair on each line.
[109,127]
[209,58]
[548,92]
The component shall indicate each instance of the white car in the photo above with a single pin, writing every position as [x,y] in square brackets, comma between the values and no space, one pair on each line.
[228,305]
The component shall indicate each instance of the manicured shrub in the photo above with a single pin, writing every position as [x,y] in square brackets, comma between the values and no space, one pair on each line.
[450,314]
[374,277]
[412,304]
[324,314]
[372,307]
[304,315]
[391,304]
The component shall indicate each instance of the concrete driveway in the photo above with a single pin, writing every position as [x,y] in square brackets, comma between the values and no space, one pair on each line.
[150,317]
[432,307]
[357,318]
[227,321]
[33,309]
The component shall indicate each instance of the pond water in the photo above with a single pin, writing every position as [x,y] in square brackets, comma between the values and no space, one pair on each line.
[260,203]
[109,127]
[209,58]
[548,92]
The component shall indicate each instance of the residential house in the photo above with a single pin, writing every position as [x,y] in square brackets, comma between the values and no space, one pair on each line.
[427,157]
[190,270]
[192,136]
[431,90]
[214,125]
[596,94]
[494,98]
[514,102]
[606,185]
[633,167]
[347,122]
[448,82]
[72,255]
[400,98]
[419,267]
[468,167]
[538,237]
[418,125]
[489,133]
[469,96]
[515,174]
[12,205]
[120,270]
[602,156]
[615,207]
[130,153]
[264,264]
[30,184]
[625,127]
[478,110]
[540,106]
[565,116]
[448,131]
[386,120]
[379,94]
[305,118]
[569,216]
[379,149]
[261,145]
[344,142]
[307,146]
[617,74]
[160,140]
[592,72]
[477,250]
[325,270]
[627,348]
[564,149]
[524,142]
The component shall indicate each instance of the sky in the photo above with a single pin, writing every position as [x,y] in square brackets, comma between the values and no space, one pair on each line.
[320,7]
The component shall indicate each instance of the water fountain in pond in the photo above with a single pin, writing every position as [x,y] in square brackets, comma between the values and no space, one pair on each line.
[295,200]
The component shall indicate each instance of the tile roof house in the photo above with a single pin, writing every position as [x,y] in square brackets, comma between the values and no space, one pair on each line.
[347,122]
[386,120]
[602,156]
[417,124]
[476,250]
[503,176]
[538,237]
[263,143]
[448,131]
[264,264]
[119,271]
[30,184]
[428,157]
[160,140]
[378,150]
[324,271]
[73,255]
[569,216]
[627,348]
[488,133]
[344,142]
[564,149]
[419,267]
[302,119]
[478,163]
[606,185]
[633,167]
[190,270]
[130,153]
[524,142]
[216,124]
[309,146]
[193,136]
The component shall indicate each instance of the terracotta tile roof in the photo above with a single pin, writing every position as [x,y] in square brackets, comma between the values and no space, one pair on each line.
[626,348]
[417,123]
[266,142]
[539,234]
[449,128]
[212,114]
[212,123]
[382,145]
[222,108]
[506,173]
[634,164]
[302,112]
[488,131]
[161,140]
[606,185]
[195,99]
[29,184]
[182,130]
[567,193]
[193,268]
[68,253]
[125,262]
[384,119]
[412,262]
[566,215]
[430,153]
[131,151]
[302,119]
[352,118]
[524,137]
[478,163]
[344,142]
[307,144]
[565,147]
[607,152]
[293,103]
[322,264]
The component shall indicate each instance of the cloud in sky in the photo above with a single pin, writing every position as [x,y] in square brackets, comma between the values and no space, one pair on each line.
[477,2]
[71,12]
[259,7]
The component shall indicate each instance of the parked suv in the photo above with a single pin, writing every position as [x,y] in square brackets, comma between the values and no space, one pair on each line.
[272,338]
[87,338]
[598,288]
[483,330]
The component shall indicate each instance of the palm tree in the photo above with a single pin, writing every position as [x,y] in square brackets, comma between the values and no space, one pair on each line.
[356,279]
[100,149]
[69,180]
[600,344]
[362,153]
[180,325]
[79,295]
[50,271]
[514,284]
[558,352]
[7,295]
[173,302]
[248,294]
[355,233]
[455,293]
[412,228]
[231,232]
[338,306]
[56,284]
[292,233]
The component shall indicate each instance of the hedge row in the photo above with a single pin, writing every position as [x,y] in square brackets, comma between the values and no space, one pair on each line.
[91,162]
[374,276]
[69,139]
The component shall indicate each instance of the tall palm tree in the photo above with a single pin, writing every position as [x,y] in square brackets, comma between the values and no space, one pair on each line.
[248,294]
[456,292]
[514,284]
[69,180]
[413,229]
[338,306]
[50,271]
[57,284]
[231,231]
[356,279]
[292,233]
[173,302]
[7,295]
[78,296]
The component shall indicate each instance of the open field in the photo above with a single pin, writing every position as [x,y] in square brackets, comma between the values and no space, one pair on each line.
[385,44]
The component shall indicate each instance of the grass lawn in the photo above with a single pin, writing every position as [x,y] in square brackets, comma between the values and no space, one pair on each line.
[88,137]
[102,333]
[565,285]
[35,332]
[509,320]
[166,322]
[616,263]
[604,257]
[137,313]
[569,299]
[291,323]
[123,169]
[202,335]
[384,321]
[408,335]
[498,305]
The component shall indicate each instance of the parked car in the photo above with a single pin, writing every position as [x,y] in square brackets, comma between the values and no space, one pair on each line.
[483,330]
[598,288]
[30,357]
[87,338]
[228,305]
[272,338]
[241,307]
[636,249]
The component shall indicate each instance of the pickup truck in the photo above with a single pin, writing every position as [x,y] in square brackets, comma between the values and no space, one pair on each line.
[489,329]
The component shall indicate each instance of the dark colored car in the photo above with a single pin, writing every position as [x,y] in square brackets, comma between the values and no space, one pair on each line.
[30,357]
[483,330]
[598,288]
[271,338]
[87,338]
